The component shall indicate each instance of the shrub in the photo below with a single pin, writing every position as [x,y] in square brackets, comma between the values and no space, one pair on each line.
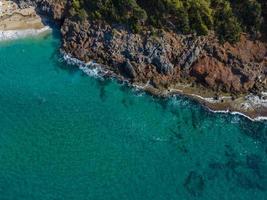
[228,18]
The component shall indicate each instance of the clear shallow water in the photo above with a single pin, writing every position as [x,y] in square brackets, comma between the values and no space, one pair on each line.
[65,135]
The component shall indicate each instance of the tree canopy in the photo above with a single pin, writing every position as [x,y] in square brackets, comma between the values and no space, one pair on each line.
[228,18]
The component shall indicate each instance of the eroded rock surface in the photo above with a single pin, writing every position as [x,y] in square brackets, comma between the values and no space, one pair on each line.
[162,59]
[168,57]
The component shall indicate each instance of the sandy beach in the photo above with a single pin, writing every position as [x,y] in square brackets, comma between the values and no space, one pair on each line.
[17,23]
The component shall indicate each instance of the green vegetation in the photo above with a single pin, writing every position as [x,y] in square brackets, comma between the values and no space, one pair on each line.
[228,18]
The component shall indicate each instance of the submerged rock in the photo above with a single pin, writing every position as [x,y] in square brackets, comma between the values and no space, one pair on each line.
[194,184]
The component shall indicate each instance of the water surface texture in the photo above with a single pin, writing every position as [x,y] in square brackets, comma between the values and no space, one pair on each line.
[65,135]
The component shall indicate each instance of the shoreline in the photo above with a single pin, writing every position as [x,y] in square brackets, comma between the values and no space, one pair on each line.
[97,70]
[17,22]
[257,119]
[23,33]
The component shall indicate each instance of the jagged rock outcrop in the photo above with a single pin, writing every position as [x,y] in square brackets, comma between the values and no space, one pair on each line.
[162,58]
[168,58]
[127,69]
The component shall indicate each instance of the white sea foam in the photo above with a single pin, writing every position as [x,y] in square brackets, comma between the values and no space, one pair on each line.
[158,139]
[90,68]
[261,118]
[252,101]
[139,87]
[16,34]
[256,100]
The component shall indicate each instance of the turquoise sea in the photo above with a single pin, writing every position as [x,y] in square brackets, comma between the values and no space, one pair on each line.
[67,136]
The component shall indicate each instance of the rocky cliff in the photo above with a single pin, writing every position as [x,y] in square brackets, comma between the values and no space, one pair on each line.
[164,60]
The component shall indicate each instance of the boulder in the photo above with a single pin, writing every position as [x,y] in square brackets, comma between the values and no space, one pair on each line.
[162,64]
[127,70]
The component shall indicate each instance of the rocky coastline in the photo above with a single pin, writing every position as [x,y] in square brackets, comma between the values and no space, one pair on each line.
[223,77]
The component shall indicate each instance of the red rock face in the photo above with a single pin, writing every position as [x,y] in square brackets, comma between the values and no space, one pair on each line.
[216,75]
[239,68]
[248,50]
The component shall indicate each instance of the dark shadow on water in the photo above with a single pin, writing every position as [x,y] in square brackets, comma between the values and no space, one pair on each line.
[255,130]
[162,102]
[248,173]
[198,117]
[55,30]
[127,102]
[194,184]
[101,85]
[176,135]
[255,163]
[177,139]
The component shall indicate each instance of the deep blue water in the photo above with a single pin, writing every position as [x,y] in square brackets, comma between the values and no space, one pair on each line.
[65,135]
